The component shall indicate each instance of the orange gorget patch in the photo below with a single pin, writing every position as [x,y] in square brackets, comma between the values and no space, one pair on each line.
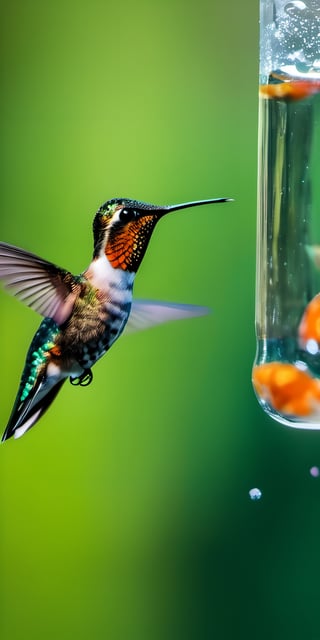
[126,247]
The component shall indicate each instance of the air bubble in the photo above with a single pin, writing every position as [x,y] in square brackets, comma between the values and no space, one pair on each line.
[296,4]
[255,494]
[312,347]
[315,472]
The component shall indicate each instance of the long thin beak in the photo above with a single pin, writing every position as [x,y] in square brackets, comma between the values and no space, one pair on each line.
[196,203]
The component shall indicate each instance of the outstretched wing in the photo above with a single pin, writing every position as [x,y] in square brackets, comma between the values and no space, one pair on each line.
[41,285]
[148,313]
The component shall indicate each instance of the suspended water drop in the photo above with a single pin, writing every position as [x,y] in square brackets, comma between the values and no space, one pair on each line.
[291,6]
[315,472]
[255,494]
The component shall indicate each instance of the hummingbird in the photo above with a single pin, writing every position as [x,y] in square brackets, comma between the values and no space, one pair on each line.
[84,314]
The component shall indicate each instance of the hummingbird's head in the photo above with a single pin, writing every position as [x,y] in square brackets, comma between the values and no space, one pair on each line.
[122,229]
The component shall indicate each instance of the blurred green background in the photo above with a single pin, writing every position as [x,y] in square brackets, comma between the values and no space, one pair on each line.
[125,512]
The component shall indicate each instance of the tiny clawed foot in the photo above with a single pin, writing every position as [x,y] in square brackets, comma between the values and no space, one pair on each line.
[84,380]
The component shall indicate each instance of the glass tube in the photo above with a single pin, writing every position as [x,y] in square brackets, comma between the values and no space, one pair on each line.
[286,372]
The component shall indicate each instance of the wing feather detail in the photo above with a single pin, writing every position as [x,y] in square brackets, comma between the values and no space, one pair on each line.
[148,313]
[40,284]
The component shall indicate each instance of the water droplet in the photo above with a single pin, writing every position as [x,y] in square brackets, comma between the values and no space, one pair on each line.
[255,494]
[301,365]
[315,472]
[312,347]
[296,4]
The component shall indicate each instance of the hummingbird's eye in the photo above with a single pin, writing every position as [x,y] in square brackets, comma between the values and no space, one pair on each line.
[126,215]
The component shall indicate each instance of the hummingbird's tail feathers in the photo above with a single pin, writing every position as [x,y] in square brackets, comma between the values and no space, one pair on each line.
[40,284]
[148,313]
[26,413]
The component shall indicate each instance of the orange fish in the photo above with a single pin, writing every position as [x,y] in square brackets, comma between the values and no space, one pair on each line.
[309,328]
[290,90]
[288,389]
